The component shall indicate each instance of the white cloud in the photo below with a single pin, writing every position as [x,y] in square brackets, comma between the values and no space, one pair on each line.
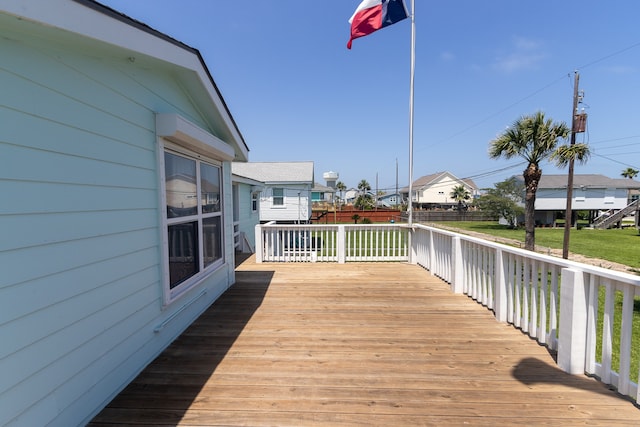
[447,56]
[524,54]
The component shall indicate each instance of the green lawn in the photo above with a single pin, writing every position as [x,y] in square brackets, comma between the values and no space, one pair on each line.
[615,245]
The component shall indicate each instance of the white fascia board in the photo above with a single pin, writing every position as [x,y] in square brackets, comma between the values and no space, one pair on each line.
[177,129]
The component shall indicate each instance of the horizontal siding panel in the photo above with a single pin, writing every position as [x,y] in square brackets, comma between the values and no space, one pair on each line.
[58,108]
[25,130]
[23,231]
[156,90]
[40,385]
[72,79]
[129,350]
[67,342]
[25,164]
[112,84]
[59,258]
[39,325]
[23,197]
[43,292]
[129,356]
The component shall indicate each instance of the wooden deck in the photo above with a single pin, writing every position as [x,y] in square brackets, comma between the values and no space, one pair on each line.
[357,345]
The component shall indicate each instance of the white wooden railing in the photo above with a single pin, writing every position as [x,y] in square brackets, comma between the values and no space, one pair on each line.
[570,307]
[331,243]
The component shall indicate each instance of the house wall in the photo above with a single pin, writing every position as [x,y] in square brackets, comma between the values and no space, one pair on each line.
[440,190]
[247,219]
[297,203]
[81,283]
[583,199]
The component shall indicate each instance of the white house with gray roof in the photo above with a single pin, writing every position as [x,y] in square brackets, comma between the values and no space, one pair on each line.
[286,197]
[591,192]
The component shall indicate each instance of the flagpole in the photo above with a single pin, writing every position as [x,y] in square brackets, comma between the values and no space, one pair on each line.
[413,66]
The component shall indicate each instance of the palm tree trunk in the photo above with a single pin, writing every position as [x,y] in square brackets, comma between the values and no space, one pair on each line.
[531,179]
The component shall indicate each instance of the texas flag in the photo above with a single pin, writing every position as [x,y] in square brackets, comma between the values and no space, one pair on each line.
[372,15]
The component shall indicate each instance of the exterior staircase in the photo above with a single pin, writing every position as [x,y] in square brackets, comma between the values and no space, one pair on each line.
[609,218]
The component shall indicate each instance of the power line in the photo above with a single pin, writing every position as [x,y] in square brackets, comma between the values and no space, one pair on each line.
[532,94]
[610,55]
[616,161]
[497,113]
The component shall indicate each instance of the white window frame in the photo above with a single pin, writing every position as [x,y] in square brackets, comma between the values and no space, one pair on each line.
[255,201]
[171,294]
[273,198]
[176,133]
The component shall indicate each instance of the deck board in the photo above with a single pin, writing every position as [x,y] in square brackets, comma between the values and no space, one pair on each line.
[356,345]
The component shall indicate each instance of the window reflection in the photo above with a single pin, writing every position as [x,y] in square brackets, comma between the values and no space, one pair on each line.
[212,239]
[210,188]
[180,182]
[183,249]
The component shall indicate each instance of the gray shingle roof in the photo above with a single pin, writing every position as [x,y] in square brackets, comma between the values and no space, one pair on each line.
[271,172]
[426,180]
[585,180]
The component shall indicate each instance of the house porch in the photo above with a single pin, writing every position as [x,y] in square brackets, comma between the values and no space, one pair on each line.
[357,344]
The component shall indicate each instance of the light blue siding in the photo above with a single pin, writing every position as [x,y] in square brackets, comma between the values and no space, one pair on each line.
[227,195]
[81,288]
[247,219]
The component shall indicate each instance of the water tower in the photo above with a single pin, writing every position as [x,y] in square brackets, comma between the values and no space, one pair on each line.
[331,178]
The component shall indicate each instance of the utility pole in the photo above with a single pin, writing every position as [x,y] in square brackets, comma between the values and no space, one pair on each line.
[568,217]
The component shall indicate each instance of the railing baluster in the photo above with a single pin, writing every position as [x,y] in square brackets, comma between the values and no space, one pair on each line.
[533,327]
[607,331]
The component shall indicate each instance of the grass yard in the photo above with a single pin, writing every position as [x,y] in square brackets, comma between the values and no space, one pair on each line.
[615,245]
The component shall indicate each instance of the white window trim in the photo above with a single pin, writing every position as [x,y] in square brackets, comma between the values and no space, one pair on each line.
[176,128]
[187,148]
[255,201]
[284,199]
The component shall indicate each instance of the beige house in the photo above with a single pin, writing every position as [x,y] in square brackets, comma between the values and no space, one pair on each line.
[434,191]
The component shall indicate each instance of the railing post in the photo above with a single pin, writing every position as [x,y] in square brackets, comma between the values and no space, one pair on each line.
[259,244]
[412,243]
[572,341]
[341,245]
[501,287]
[457,275]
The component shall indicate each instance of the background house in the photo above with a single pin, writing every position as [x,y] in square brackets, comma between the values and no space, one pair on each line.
[591,192]
[392,200]
[286,197]
[117,221]
[322,194]
[350,195]
[434,191]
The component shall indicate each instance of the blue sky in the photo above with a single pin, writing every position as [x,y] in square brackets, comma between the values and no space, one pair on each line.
[297,93]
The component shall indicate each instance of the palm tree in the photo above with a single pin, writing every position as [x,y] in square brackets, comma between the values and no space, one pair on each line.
[364,200]
[630,173]
[535,138]
[364,186]
[459,193]
[341,188]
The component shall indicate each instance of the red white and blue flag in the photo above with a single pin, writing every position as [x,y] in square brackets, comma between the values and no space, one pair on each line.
[373,15]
